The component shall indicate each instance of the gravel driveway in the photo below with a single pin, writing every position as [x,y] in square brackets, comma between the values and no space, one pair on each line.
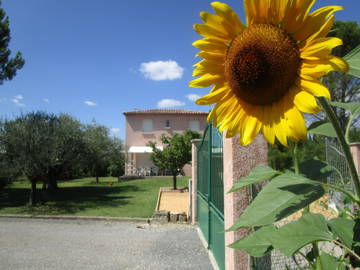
[77,244]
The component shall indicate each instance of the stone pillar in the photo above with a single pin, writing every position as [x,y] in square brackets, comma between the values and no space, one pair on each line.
[238,161]
[194,163]
[355,151]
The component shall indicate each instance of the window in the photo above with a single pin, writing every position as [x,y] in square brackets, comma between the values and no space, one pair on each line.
[167,124]
[194,125]
[148,126]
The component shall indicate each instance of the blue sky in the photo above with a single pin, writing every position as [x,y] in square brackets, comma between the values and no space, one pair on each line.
[98,59]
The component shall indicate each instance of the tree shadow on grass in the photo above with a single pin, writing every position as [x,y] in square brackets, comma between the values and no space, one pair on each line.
[68,200]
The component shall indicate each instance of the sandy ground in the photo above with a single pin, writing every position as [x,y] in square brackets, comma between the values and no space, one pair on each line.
[174,201]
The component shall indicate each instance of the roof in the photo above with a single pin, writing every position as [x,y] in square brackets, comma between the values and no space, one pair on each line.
[166,111]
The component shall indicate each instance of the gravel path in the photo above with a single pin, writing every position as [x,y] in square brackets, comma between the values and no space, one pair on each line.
[75,244]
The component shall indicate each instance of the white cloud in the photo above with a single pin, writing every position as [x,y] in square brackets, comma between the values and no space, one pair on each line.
[90,103]
[169,103]
[115,131]
[161,70]
[17,100]
[46,100]
[192,97]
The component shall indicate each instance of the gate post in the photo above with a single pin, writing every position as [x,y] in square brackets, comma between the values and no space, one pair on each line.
[194,176]
[238,161]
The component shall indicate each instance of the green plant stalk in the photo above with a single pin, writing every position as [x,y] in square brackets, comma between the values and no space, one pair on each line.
[347,193]
[296,159]
[335,123]
[348,250]
[347,132]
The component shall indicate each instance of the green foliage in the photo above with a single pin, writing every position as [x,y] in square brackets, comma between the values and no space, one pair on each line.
[176,152]
[8,65]
[280,157]
[257,175]
[323,128]
[45,148]
[281,197]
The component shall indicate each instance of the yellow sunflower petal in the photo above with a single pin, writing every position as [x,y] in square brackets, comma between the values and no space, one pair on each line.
[205,80]
[297,14]
[319,68]
[315,88]
[257,11]
[323,32]
[219,57]
[211,32]
[210,45]
[315,21]
[278,10]
[214,21]
[306,102]
[296,122]
[319,48]
[267,128]
[251,127]
[206,66]
[229,15]
[212,97]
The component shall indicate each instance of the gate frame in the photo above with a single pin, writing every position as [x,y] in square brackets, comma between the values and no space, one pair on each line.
[237,161]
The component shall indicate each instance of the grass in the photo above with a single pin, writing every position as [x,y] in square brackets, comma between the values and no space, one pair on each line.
[82,197]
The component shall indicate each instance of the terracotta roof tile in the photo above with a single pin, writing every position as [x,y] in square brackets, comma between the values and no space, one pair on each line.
[165,111]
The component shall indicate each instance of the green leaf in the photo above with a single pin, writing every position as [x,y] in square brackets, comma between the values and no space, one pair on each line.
[327,262]
[295,235]
[343,228]
[315,169]
[256,175]
[282,196]
[353,107]
[353,59]
[322,128]
[257,243]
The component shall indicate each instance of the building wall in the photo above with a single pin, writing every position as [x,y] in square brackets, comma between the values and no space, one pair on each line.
[135,136]
[179,123]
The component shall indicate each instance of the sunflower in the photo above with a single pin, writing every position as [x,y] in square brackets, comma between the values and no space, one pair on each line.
[265,75]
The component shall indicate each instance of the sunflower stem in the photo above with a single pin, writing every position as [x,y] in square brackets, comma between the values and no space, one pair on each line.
[296,159]
[345,147]
[347,132]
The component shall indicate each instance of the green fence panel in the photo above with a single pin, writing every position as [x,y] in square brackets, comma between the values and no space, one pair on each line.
[210,193]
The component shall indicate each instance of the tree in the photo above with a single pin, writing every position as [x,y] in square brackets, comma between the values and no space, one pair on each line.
[98,149]
[69,148]
[8,65]
[116,160]
[28,142]
[176,152]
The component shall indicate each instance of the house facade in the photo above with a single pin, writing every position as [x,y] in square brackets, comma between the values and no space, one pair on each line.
[143,126]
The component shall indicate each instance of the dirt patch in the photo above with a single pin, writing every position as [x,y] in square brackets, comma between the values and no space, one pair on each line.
[174,201]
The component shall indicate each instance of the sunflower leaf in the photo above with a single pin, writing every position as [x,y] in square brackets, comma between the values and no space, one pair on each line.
[315,169]
[293,236]
[344,229]
[281,197]
[352,107]
[322,128]
[257,243]
[256,175]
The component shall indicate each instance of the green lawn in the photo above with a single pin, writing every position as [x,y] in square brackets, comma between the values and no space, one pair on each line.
[82,197]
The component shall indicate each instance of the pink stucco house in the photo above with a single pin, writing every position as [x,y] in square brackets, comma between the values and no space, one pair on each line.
[143,126]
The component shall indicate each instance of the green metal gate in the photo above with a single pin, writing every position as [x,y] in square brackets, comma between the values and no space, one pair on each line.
[210,193]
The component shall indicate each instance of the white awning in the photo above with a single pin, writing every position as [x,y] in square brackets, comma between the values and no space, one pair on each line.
[142,149]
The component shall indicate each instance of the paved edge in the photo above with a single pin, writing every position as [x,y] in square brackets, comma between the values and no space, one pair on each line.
[116,219]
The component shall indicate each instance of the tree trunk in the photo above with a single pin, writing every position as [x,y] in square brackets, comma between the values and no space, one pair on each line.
[97,179]
[174,181]
[52,184]
[32,199]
